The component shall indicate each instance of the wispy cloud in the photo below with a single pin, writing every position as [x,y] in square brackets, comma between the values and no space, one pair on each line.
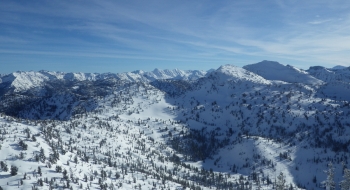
[320,21]
[307,32]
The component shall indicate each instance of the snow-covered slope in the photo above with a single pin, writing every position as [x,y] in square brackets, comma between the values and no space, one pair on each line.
[338,67]
[233,73]
[226,129]
[157,74]
[21,81]
[272,70]
[330,75]
[24,80]
[336,90]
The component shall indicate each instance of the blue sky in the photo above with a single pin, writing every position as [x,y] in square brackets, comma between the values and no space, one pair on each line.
[126,35]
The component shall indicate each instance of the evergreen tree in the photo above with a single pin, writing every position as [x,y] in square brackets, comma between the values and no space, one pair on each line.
[23,145]
[14,170]
[58,168]
[40,182]
[117,175]
[329,183]
[42,155]
[33,138]
[3,166]
[39,171]
[345,184]
[64,173]
[281,181]
[75,159]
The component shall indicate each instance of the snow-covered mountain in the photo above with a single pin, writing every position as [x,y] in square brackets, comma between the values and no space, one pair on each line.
[177,74]
[272,70]
[330,75]
[255,127]
[338,67]
[232,73]
[20,81]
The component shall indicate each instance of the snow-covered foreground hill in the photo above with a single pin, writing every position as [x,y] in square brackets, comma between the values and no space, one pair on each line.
[124,145]
[229,129]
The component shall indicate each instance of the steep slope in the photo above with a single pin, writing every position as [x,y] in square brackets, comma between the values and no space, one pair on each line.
[20,81]
[272,70]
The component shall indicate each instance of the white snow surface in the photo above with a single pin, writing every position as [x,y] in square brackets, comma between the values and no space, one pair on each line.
[234,73]
[24,80]
[338,67]
[272,70]
[330,75]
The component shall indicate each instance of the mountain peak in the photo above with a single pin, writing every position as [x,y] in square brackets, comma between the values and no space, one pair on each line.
[267,62]
[338,67]
[272,70]
[315,68]
[231,72]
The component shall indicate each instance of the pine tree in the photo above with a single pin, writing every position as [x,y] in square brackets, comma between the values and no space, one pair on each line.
[281,180]
[64,173]
[40,182]
[33,138]
[345,184]
[117,175]
[3,166]
[329,183]
[58,168]
[39,171]
[42,156]
[14,170]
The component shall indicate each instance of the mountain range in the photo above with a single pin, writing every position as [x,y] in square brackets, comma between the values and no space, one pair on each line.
[260,126]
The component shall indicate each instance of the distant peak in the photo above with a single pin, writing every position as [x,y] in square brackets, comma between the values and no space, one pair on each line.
[316,68]
[269,62]
[227,66]
[138,72]
[272,70]
[338,67]
[264,61]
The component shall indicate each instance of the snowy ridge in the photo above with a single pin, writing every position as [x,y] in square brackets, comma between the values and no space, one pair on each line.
[330,75]
[24,80]
[233,73]
[272,70]
[21,81]
[338,67]
[174,74]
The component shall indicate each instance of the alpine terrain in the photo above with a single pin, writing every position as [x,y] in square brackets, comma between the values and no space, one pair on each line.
[263,126]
